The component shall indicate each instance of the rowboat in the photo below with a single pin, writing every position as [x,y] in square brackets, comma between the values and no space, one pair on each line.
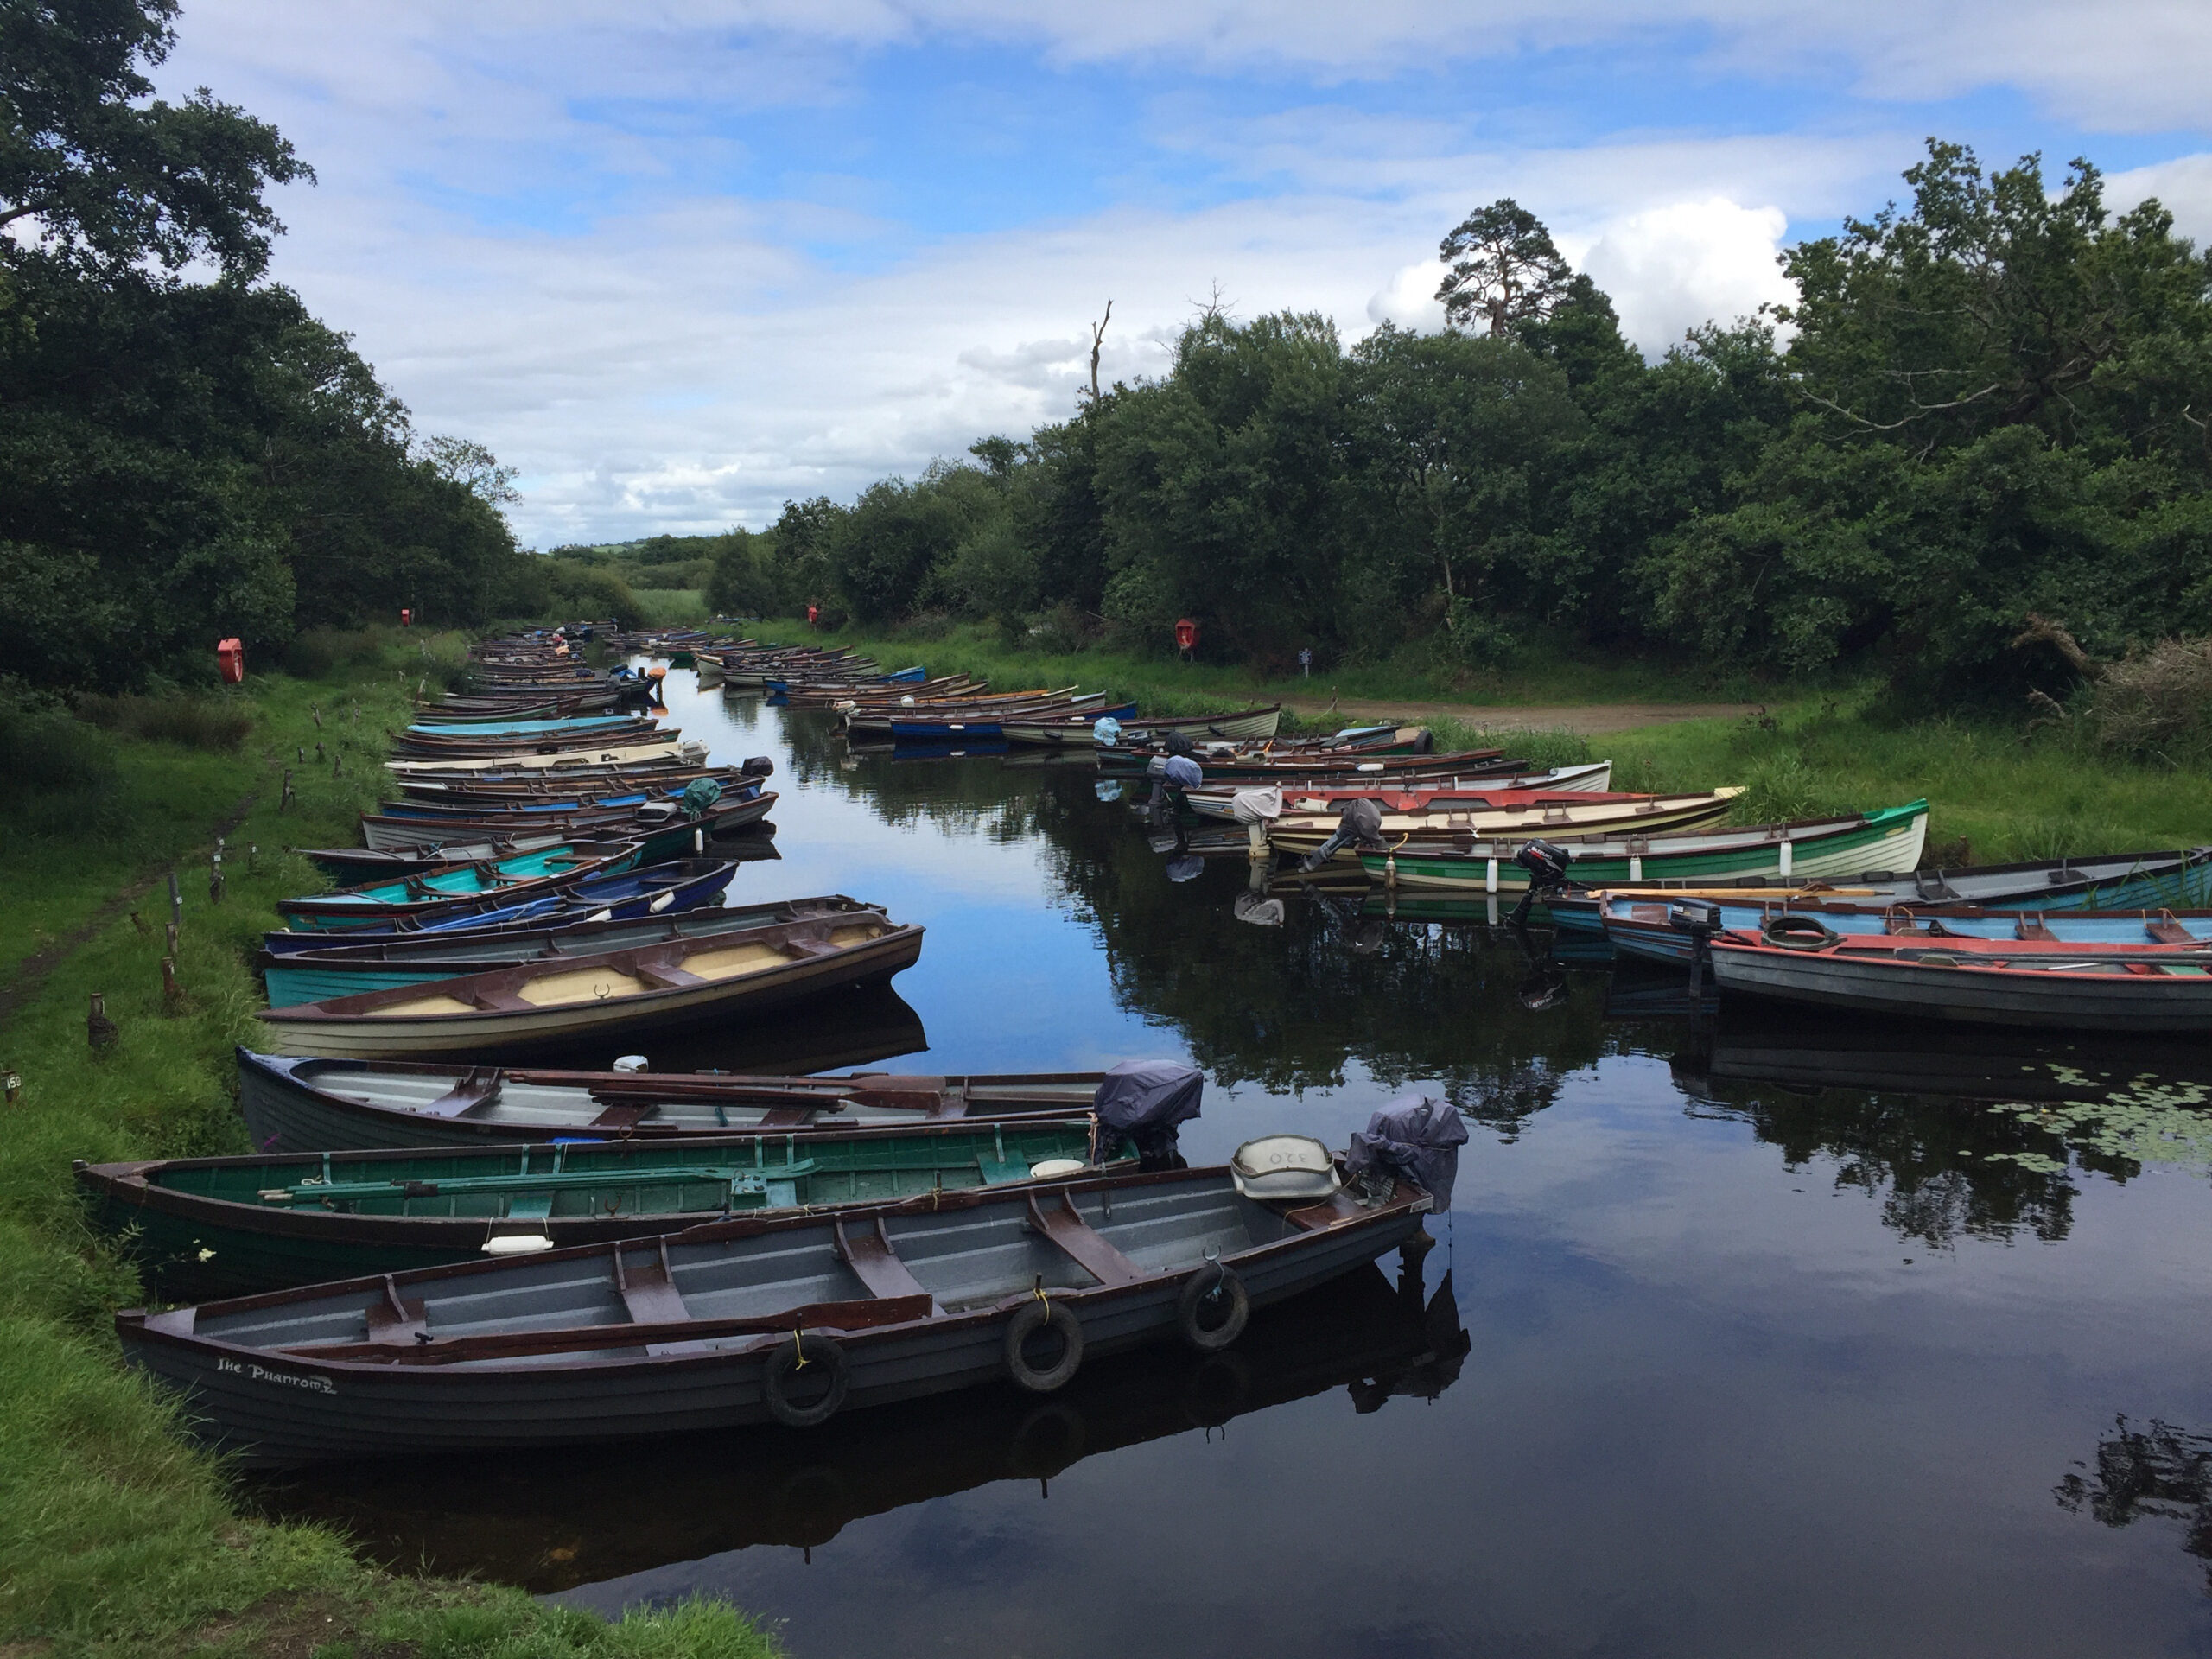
[683,883]
[626,733]
[1250,725]
[2031,983]
[1642,925]
[524,876]
[462,793]
[671,983]
[1511,813]
[238,1226]
[1826,848]
[343,968]
[297,1104]
[487,727]
[356,865]
[668,751]
[663,829]
[1257,767]
[742,1322]
[1409,795]
[597,1514]
[2180,878]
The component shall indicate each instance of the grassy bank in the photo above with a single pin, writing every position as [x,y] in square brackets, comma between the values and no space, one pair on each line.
[116,1535]
[1998,794]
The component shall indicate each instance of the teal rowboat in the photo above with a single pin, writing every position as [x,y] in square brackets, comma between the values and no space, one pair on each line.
[238,1226]
[1888,842]
[521,876]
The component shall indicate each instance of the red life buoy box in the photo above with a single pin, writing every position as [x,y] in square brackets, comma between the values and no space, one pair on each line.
[1187,635]
[230,661]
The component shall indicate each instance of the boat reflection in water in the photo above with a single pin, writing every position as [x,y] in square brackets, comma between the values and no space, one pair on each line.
[597,1514]
[858,1027]
[2150,1470]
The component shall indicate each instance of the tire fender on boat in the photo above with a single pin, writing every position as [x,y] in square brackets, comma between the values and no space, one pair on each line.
[784,1367]
[1799,932]
[1028,1320]
[1203,1293]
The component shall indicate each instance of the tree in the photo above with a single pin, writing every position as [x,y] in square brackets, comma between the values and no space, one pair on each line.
[1503,267]
[109,181]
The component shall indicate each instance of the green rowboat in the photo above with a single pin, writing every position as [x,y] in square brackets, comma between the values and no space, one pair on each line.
[1890,840]
[236,1226]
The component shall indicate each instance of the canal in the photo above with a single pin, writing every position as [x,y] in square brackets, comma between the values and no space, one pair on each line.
[1742,1337]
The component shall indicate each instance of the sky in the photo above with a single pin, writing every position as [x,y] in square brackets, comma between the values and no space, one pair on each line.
[679,262]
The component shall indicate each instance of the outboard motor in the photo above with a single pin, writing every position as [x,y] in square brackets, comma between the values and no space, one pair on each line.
[1546,863]
[1700,919]
[759,765]
[1143,1100]
[1416,1136]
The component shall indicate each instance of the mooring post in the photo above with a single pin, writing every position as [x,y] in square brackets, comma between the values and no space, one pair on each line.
[176,900]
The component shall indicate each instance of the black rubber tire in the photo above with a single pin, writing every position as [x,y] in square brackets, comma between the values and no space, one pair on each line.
[1799,933]
[1203,1287]
[784,1364]
[1028,1320]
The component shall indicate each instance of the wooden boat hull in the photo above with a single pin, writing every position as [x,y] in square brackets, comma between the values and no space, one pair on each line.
[199,1227]
[670,753]
[668,837]
[1831,850]
[393,960]
[434,1020]
[1308,832]
[1641,929]
[1952,989]
[2180,879]
[1210,801]
[1253,725]
[296,1104]
[981,1257]
[445,892]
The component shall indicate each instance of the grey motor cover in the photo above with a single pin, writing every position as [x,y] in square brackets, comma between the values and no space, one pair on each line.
[1417,1137]
[1145,1100]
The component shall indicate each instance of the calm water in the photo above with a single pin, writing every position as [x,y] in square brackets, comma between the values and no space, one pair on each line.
[1731,1344]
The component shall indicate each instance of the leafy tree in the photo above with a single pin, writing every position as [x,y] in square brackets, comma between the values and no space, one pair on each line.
[109,180]
[1503,267]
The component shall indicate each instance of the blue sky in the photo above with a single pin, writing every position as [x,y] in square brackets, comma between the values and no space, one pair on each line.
[679,262]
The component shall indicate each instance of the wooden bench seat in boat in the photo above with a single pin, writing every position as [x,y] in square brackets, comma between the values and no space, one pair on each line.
[866,1250]
[1081,1243]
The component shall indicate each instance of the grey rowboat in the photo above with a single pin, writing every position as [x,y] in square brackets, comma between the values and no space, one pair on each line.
[741,1321]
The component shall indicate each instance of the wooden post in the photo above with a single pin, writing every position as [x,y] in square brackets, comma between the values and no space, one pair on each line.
[316,708]
[253,858]
[171,933]
[284,804]
[176,900]
[99,1030]
[172,994]
[139,922]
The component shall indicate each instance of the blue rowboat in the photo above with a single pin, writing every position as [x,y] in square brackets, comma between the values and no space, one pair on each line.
[2177,879]
[1642,925]
[347,968]
[611,897]
[525,875]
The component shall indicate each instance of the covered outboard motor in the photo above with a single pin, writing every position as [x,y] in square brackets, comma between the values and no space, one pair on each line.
[1256,809]
[759,766]
[1144,1101]
[700,795]
[1177,743]
[1359,823]
[1106,731]
[1416,1136]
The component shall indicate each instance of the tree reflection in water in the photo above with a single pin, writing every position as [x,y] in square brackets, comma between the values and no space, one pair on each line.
[2157,1471]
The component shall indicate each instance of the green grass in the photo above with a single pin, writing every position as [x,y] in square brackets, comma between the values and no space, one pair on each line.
[116,1535]
[673,607]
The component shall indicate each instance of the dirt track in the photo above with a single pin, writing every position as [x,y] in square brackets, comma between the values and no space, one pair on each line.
[1587,719]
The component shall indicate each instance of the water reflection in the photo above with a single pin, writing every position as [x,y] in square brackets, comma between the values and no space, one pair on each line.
[2156,1471]
[600,1513]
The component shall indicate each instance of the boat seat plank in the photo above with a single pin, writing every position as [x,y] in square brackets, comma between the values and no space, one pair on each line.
[529,1206]
[480,1088]
[669,978]
[1339,1206]
[391,1318]
[648,1292]
[867,1252]
[2169,932]
[2030,927]
[1081,1243]
[624,1115]
[998,1174]
[787,1117]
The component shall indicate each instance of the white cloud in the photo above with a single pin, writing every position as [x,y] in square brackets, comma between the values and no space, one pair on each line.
[1671,268]
[2183,185]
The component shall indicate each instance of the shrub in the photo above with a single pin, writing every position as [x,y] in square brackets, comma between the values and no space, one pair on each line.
[191,723]
[2151,705]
